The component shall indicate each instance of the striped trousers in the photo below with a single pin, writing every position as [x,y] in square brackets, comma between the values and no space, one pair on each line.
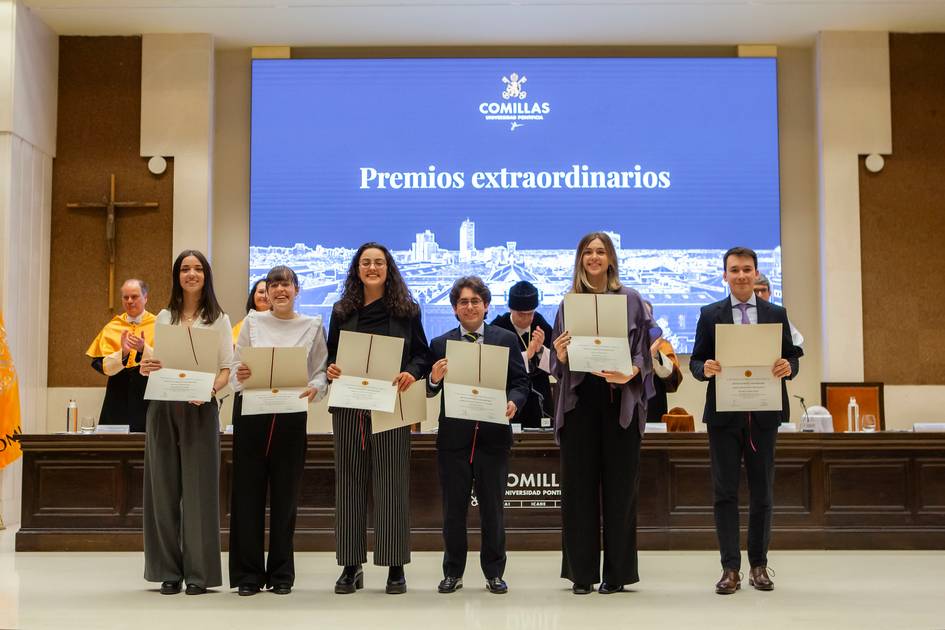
[381,462]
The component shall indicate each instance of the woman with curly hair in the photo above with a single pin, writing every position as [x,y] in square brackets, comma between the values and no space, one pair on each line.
[375,300]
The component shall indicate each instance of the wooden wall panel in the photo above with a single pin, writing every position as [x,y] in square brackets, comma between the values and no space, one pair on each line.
[99,123]
[902,223]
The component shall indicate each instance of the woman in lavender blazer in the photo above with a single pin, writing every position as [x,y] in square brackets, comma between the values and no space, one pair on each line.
[599,423]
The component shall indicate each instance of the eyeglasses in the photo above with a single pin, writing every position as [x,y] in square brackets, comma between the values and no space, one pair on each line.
[367,264]
[469,302]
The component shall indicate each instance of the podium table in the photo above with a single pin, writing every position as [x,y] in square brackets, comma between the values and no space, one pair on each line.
[832,491]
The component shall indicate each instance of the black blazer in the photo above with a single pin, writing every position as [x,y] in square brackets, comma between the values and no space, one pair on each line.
[416,355]
[454,433]
[721,313]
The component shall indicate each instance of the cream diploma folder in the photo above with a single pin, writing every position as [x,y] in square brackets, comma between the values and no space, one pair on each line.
[409,408]
[747,354]
[474,387]
[368,366]
[189,359]
[598,326]
[279,376]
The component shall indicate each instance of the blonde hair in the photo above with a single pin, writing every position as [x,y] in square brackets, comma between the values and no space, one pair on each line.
[580,282]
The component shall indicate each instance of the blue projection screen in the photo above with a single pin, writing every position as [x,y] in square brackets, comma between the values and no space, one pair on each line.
[497,167]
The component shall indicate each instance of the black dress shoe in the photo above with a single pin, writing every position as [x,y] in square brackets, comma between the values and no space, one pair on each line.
[450,584]
[582,589]
[497,585]
[607,589]
[282,589]
[352,578]
[194,589]
[396,581]
[245,590]
[170,587]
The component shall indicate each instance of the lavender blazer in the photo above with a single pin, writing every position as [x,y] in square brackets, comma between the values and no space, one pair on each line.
[635,393]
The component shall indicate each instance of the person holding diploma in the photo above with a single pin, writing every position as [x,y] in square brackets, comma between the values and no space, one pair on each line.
[269,450]
[599,423]
[181,519]
[256,301]
[375,300]
[470,452]
[738,436]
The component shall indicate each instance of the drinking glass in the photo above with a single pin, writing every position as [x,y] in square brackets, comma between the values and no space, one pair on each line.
[868,424]
[87,424]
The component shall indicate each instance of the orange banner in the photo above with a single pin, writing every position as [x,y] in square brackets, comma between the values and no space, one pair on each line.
[9,403]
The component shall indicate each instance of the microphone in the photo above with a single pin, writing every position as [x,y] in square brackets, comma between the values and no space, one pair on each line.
[806,415]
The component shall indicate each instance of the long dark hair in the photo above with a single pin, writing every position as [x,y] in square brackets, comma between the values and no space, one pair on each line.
[208,307]
[396,298]
[251,299]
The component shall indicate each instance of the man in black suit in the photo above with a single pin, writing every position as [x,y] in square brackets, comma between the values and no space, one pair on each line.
[470,452]
[737,436]
[534,334]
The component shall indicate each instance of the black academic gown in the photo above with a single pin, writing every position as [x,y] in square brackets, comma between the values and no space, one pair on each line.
[124,397]
[540,403]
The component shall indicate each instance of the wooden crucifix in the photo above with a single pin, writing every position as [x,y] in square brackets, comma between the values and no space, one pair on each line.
[109,204]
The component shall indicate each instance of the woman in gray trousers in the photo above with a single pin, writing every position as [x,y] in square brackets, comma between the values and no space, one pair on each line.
[182,450]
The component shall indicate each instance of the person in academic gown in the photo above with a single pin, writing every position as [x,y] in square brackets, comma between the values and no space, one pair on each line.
[534,334]
[667,374]
[116,352]
[256,301]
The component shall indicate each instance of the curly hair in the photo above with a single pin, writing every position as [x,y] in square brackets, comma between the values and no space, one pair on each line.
[396,298]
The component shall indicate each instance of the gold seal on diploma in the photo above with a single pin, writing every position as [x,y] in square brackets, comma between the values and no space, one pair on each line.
[475,392]
[182,375]
[364,383]
[747,373]
[275,391]
[597,342]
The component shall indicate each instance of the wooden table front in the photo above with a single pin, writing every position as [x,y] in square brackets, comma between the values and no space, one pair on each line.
[832,491]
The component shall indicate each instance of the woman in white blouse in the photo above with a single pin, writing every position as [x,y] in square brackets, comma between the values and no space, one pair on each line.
[269,449]
[182,450]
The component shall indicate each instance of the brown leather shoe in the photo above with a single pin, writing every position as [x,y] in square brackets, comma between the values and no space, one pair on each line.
[758,577]
[730,582]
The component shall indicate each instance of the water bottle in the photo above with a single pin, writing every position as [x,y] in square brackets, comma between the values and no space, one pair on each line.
[853,416]
[72,416]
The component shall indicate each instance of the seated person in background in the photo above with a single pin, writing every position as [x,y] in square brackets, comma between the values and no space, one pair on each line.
[534,334]
[763,290]
[666,370]
[115,352]
[257,300]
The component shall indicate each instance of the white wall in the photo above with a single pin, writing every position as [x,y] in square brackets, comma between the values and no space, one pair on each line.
[28,87]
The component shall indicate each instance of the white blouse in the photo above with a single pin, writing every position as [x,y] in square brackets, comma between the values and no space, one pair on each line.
[262,329]
[223,328]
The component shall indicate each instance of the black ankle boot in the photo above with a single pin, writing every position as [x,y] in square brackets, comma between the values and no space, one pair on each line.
[396,582]
[352,578]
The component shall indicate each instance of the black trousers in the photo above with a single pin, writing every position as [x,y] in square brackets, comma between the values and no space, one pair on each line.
[600,474]
[729,445]
[488,473]
[268,455]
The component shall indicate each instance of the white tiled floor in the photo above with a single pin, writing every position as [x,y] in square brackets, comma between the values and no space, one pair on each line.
[815,589]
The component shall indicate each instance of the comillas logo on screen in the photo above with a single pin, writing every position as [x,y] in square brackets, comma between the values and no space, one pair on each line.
[514,109]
